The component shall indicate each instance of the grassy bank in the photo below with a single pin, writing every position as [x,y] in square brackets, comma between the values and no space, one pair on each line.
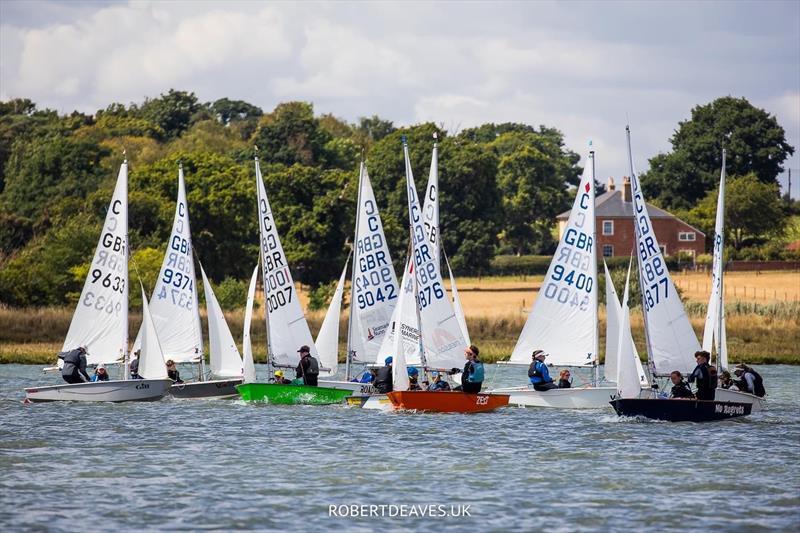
[757,333]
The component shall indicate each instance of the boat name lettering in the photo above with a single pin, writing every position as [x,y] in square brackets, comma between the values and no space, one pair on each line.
[729,409]
[482,400]
[142,386]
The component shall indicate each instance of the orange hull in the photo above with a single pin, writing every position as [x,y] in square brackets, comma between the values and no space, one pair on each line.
[447,401]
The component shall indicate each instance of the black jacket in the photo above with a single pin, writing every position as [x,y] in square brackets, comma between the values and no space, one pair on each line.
[681,390]
[564,384]
[383,380]
[705,377]
[74,363]
[174,375]
[308,370]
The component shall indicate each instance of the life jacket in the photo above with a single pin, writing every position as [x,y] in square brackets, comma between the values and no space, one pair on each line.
[383,381]
[758,384]
[536,373]
[476,376]
[313,367]
[713,378]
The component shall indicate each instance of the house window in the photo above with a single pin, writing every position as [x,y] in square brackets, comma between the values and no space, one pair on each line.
[686,236]
[608,228]
[663,248]
[608,250]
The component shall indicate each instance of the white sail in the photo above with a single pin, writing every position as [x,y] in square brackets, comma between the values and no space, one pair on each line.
[223,353]
[443,341]
[288,329]
[374,288]
[400,343]
[628,380]
[715,324]
[613,324]
[100,321]
[430,206]
[247,343]
[462,320]
[328,337]
[670,337]
[563,320]
[405,320]
[151,358]
[174,302]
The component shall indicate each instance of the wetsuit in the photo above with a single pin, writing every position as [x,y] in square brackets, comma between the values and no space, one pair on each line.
[681,390]
[174,375]
[383,379]
[706,379]
[472,377]
[540,376]
[308,369]
[74,369]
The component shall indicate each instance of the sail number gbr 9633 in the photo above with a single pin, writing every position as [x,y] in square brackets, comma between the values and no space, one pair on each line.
[107,274]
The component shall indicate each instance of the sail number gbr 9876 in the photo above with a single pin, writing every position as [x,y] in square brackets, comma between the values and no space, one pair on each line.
[571,280]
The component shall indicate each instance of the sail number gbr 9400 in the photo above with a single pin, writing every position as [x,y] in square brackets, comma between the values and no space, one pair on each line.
[571,281]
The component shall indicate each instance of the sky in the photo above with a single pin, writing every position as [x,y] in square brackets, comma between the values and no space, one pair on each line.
[585,68]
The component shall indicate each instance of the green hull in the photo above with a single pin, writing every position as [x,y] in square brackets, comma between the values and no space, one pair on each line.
[291,394]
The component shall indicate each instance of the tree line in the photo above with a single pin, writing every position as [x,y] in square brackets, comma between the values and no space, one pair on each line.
[501,185]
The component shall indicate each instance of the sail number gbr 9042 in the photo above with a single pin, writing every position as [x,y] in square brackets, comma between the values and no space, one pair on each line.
[374,282]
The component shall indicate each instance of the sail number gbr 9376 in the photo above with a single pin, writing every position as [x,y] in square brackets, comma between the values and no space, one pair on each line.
[177,276]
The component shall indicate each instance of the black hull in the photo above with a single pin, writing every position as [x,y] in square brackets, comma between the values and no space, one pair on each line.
[220,388]
[680,410]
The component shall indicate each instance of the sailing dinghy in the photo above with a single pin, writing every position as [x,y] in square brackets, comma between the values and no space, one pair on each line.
[175,308]
[100,321]
[563,321]
[441,340]
[287,328]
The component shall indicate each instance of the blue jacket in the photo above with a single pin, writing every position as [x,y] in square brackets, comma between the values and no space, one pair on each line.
[543,374]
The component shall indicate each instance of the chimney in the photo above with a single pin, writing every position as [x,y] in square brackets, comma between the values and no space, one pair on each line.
[626,189]
[610,184]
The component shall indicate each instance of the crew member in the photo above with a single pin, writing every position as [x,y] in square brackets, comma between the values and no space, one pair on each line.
[563,379]
[472,376]
[135,365]
[413,379]
[538,373]
[726,381]
[679,387]
[280,379]
[383,378]
[308,367]
[749,380]
[172,372]
[100,374]
[74,369]
[704,376]
[439,384]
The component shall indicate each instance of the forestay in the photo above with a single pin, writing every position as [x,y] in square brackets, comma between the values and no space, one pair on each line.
[671,339]
[563,320]
[174,303]
[405,320]
[288,329]
[151,358]
[443,341]
[628,380]
[225,359]
[613,323]
[328,337]
[100,321]
[247,343]
[374,288]
[714,331]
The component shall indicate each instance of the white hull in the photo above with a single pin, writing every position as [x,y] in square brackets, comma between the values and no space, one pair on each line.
[134,390]
[357,388]
[379,402]
[577,398]
[725,395]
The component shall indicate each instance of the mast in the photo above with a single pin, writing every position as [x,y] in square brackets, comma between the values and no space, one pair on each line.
[194,281]
[349,353]
[721,237]
[126,373]
[650,363]
[594,276]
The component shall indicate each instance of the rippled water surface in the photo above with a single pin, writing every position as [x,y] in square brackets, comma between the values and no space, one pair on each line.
[189,464]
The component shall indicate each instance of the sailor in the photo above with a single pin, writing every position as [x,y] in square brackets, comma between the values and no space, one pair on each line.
[472,376]
[679,387]
[100,374]
[564,379]
[705,376]
[439,384]
[383,378]
[135,365]
[308,367]
[413,379]
[538,373]
[172,372]
[280,379]
[749,380]
[726,381]
[74,369]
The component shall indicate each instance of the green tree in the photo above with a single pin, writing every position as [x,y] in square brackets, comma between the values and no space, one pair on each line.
[227,111]
[755,142]
[291,134]
[172,112]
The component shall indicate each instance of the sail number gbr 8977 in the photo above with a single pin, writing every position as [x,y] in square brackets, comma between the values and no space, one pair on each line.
[571,280]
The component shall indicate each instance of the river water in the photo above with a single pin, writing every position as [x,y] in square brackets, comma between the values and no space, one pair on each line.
[222,465]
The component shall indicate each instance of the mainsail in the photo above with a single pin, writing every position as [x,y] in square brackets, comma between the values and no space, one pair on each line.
[714,331]
[563,320]
[223,353]
[443,341]
[174,303]
[613,325]
[670,337]
[374,290]
[628,380]
[247,344]
[401,343]
[328,337]
[287,326]
[151,358]
[100,321]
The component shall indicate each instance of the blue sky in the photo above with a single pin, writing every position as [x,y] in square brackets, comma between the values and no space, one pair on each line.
[583,67]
